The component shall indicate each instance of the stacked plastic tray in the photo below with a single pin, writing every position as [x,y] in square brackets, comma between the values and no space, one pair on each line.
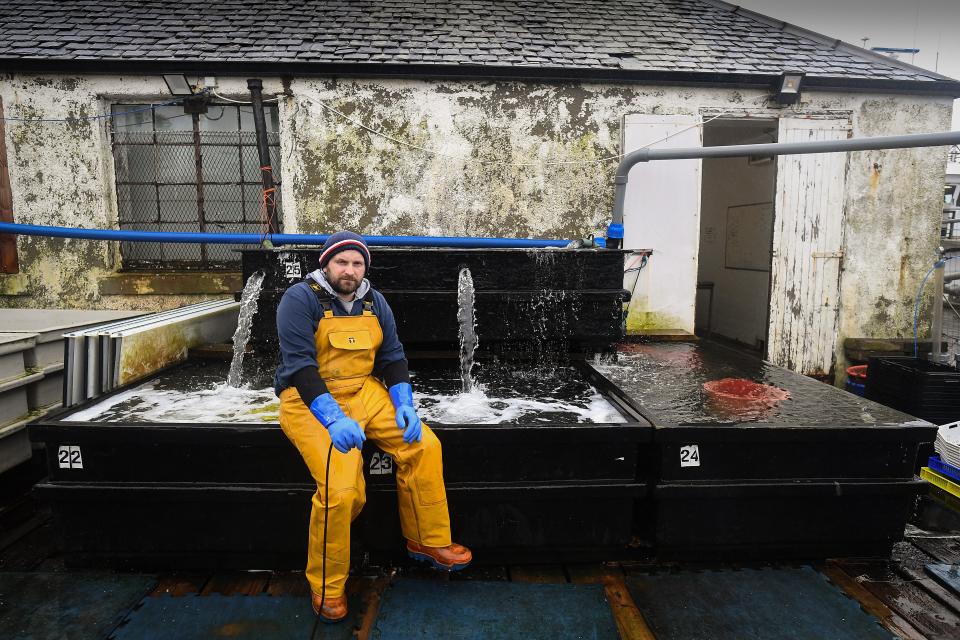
[943,471]
[947,443]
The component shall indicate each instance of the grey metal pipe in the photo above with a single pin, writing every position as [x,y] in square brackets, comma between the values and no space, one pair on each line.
[939,139]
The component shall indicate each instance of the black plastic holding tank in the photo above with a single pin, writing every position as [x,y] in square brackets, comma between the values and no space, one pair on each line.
[237,495]
[930,390]
[823,473]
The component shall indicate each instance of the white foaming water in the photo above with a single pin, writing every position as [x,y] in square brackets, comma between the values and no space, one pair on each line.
[217,404]
[468,327]
[222,403]
[248,308]
[476,407]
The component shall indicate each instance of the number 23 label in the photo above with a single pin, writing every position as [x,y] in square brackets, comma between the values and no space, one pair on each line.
[690,456]
[381,464]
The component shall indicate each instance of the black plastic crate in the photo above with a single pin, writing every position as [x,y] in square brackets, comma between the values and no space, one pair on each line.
[239,494]
[764,452]
[925,389]
[261,453]
[265,526]
[183,525]
[782,520]
[580,291]
[431,269]
[504,515]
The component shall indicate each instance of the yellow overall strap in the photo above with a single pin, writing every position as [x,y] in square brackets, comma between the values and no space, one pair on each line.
[326,300]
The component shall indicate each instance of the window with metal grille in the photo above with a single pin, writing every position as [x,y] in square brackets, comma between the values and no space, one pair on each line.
[179,171]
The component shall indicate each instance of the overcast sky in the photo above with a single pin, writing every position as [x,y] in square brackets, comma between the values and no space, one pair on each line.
[929,25]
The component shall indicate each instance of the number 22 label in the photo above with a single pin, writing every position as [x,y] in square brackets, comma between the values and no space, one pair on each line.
[68,456]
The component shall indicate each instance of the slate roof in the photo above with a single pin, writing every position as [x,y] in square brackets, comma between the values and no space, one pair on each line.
[603,36]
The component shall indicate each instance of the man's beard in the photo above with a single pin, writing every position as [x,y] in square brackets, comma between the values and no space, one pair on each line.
[345,286]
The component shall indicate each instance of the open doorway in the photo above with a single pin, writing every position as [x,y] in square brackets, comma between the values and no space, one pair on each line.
[736,236]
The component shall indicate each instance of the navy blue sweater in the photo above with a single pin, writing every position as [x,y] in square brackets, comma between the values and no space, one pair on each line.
[298,315]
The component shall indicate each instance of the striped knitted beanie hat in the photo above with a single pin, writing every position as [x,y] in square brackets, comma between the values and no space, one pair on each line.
[342,241]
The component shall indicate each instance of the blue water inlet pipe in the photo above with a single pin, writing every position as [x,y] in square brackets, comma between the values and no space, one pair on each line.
[275,239]
[615,231]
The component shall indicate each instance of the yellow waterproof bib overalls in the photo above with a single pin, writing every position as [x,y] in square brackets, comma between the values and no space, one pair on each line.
[346,347]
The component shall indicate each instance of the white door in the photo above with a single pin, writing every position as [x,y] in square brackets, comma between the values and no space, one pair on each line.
[662,212]
[807,249]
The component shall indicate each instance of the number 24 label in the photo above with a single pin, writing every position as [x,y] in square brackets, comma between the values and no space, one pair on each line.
[690,456]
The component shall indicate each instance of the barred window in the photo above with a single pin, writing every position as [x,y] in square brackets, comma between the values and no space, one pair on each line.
[178,171]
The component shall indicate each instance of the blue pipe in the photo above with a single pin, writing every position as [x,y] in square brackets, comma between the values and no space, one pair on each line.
[275,239]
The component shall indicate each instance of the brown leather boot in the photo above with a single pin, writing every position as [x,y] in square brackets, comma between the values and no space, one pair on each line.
[334,609]
[450,558]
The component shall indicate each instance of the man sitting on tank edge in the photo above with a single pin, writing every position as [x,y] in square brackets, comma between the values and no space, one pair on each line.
[343,377]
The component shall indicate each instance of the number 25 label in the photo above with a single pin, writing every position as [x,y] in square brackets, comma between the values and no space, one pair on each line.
[690,456]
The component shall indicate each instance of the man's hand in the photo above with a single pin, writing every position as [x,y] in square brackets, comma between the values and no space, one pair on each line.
[344,432]
[401,394]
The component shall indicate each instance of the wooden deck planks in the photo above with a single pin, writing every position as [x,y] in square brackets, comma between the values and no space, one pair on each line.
[371,594]
[288,583]
[592,573]
[629,620]
[921,578]
[870,603]
[237,583]
[910,600]
[538,573]
[945,549]
[180,584]
[34,546]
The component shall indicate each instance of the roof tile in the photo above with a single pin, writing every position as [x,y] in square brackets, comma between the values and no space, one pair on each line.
[650,35]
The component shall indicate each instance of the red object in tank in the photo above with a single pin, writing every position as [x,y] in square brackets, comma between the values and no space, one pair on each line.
[858,373]
[740,396]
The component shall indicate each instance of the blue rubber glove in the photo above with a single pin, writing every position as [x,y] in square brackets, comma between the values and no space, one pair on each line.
[402,396]
[345,432]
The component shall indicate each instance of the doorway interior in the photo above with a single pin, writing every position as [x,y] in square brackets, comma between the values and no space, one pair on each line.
[736,236]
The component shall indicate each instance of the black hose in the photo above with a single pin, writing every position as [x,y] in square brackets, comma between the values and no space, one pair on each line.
[326,511]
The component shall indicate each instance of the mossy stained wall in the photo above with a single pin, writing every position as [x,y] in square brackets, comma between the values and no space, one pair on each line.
[477,158]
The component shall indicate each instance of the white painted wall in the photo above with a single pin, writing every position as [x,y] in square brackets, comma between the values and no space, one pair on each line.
[662,212]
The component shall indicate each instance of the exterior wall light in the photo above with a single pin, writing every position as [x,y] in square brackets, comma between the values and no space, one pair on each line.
[787,90]
[177,84]
[180,86]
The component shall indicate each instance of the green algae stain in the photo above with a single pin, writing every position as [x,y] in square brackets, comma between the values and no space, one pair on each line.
[639,322]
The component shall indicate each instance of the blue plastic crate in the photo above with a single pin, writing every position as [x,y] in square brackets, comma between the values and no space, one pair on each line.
[944,468]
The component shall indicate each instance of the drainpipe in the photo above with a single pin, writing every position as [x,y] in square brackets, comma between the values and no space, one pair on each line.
[263,149]
[615,231]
